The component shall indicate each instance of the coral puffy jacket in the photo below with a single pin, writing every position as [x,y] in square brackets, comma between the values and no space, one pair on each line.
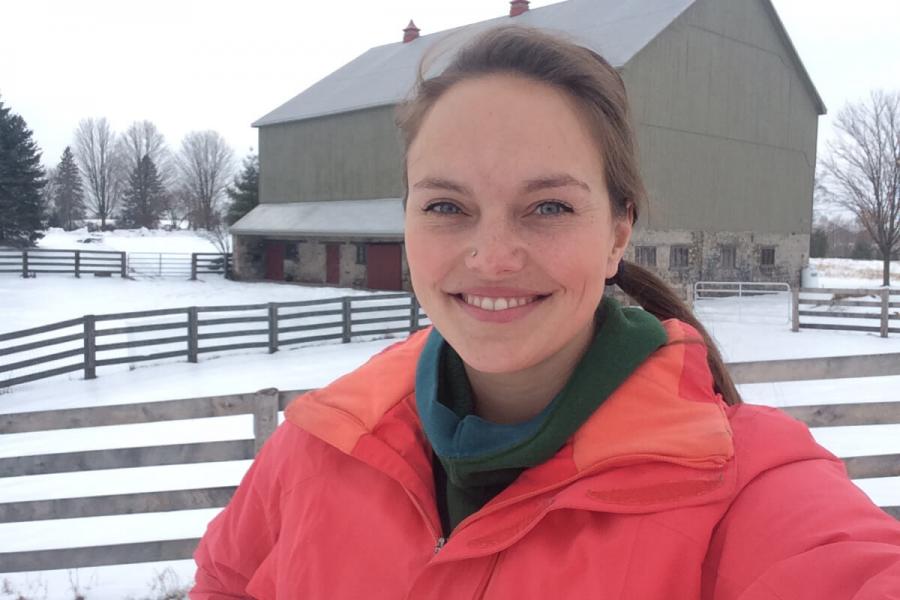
[664,493]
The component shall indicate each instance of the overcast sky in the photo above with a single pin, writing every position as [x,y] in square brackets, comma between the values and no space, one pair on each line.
[203,64]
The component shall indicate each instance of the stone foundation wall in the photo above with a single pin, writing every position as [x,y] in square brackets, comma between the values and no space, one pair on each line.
[249,257]
[706,256]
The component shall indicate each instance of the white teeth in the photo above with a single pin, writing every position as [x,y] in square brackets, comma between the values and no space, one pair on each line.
[494,304]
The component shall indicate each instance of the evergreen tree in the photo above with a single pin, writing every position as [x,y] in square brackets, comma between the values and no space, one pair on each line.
[21,182]
[818,243]
[244,193]
[144,198]
[68,194]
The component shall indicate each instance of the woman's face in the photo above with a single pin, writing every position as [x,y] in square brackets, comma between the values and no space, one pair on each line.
[509,229]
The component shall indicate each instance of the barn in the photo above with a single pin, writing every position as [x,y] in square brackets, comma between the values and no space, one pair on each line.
[726,118]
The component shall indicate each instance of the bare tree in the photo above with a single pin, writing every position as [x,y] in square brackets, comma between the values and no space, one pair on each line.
[206,163]
[95,149]
[863,169]
[141,139]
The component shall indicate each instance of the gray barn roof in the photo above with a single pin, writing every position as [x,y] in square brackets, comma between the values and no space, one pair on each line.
[615,29]
[336,218]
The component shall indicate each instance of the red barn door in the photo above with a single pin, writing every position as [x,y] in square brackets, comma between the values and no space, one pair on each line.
[383,267]
[333,264]
[274,260]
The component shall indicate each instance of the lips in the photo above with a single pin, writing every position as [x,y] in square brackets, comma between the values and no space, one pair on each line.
[497,303]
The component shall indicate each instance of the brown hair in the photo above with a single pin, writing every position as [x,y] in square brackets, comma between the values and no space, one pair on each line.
[599,92]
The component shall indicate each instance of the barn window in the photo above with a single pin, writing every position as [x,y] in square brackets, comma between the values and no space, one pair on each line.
[767,256]
[360,254]
[290,251]
[645,256]
[679,257]
[729,256]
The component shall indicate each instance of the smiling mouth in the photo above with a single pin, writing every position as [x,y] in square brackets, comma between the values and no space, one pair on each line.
[497,304]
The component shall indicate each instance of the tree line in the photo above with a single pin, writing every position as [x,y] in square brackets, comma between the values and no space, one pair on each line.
[860,174]
[132,179]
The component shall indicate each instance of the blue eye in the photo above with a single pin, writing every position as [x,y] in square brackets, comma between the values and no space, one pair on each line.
[443,208]
[551,208]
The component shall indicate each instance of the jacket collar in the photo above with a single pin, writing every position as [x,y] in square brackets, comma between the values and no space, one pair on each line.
[661,440]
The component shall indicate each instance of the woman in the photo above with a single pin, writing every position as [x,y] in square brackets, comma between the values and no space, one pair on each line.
[540,440]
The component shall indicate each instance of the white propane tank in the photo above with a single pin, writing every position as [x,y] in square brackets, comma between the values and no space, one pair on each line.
[809,277]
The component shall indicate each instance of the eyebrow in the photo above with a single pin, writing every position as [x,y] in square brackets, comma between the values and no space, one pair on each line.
[532,185]
[554,181]
[439,183]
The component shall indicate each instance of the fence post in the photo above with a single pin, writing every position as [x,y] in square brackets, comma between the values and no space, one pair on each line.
[885,303]
[795,309]
[347,316]
[193,266]
[265,415]
[273,327]
[78,263]
[413,314]
[122,265]
[192,334]
[90,349]
[25,264]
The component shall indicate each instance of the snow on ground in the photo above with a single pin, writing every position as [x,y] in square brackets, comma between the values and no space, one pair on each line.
[127,240]
[842,272]
[51,298]
[745,330]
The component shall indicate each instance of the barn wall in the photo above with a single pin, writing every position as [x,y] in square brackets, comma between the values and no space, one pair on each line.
[350,156]
[791,254]
[726,126]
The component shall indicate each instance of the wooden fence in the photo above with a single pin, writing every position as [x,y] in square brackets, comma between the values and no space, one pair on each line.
[871,310]
[95,341]
[28,263]
[264,406]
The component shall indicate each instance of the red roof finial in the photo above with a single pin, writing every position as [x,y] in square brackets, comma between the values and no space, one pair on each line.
[411,32]
[517,7]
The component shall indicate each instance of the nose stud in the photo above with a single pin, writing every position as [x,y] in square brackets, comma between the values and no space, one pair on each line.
[474,252]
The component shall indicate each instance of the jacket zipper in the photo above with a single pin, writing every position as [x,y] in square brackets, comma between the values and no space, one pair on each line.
[439,540]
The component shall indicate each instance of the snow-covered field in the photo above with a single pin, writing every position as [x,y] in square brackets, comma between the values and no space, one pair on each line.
[743,335]
[126,240]
[841,272]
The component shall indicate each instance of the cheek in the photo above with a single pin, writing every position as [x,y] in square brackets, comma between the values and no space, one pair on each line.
[427,260]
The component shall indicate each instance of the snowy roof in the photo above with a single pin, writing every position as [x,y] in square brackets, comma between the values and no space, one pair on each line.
[382,217]
[384,75]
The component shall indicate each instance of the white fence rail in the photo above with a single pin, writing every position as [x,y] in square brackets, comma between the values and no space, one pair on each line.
[768,302]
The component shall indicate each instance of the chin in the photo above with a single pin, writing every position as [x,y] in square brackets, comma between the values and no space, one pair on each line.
[496,359]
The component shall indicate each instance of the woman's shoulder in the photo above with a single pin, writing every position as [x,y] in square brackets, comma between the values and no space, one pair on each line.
[766,437]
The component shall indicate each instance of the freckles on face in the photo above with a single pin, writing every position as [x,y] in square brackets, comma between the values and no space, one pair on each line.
[505,166]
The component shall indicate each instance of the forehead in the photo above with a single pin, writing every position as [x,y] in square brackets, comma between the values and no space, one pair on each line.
[505,124]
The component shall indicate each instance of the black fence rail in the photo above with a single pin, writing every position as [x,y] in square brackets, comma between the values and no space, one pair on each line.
[264,406]
[28,263]
[96,341]
[869,310]
[206,263]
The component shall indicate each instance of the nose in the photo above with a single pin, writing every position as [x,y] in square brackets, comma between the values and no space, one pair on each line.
[495,249]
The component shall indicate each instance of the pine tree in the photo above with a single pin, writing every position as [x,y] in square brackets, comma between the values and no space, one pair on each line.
[144,200]
[244,193]
[68,194]
[21,182]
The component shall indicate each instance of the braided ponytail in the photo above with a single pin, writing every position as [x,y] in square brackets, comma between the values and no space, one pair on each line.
[657,297]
